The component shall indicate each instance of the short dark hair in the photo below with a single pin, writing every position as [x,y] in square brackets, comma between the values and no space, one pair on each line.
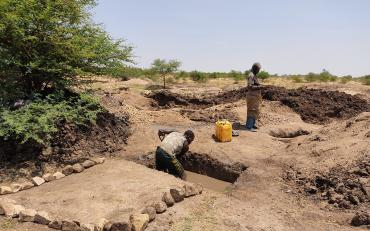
[189,135]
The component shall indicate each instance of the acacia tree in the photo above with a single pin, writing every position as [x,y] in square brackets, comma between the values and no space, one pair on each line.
[50,42]
[163,67]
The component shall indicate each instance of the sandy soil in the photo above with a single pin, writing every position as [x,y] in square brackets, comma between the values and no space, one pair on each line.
[261,199]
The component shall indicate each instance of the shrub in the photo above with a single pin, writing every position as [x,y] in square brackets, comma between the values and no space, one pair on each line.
[263,75]
[236,75]
[50,42]
[296,78]
[324,76]
[345,79]
[365,80]
[37,120]
[198,76]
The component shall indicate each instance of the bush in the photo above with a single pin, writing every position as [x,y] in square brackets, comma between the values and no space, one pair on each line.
[296,79]
[236,75]
[324,76]
[263,75]
[345,79]
[36,121]
[365,80]
[182,75]
[50,42]
[198,76]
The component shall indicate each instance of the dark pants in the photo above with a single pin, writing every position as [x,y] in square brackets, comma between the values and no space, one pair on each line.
[168,163]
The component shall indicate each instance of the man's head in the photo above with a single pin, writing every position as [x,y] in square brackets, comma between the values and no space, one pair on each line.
[189,135]
[256,67]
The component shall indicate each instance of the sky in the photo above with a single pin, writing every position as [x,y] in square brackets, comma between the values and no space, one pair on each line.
[285,36]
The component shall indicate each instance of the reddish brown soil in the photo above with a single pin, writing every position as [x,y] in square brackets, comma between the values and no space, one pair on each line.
[313,105]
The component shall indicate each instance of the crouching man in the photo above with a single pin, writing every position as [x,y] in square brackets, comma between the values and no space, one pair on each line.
[173,145]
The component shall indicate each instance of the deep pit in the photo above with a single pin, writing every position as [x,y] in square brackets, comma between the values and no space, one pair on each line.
[203,169]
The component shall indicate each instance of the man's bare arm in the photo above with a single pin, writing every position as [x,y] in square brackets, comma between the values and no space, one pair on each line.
[163,132]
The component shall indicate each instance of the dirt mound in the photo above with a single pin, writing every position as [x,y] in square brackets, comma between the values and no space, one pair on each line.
[345,188]
[71,144]
[210,115]
[313,105]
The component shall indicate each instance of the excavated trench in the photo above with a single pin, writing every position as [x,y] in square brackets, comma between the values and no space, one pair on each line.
[201,168]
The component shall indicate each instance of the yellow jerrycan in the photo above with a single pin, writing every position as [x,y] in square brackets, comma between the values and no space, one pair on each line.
[224,131]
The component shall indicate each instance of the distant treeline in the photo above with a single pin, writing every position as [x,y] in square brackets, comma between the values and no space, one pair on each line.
[237,76]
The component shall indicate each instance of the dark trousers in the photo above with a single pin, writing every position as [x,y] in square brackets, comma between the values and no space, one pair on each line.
[168,163]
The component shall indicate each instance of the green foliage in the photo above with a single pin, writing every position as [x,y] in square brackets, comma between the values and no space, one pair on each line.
[163,67]
[296,78]
[198,76]
[50,42]
[37,120]
[324,76]
[182,75]
[345,79]
[263,75]
[365,79]
[236,75]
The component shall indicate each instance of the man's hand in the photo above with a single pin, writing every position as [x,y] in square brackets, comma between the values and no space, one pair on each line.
[163,132]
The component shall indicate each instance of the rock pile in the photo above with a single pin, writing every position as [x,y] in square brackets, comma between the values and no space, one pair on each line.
[343,188]
[48,177]
[136,221]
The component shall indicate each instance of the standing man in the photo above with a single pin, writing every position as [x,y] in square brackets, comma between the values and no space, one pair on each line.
[173,145]
[254,97]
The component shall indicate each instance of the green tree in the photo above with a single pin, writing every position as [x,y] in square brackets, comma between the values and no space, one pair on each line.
[263,75]
[164,68]
[47,43]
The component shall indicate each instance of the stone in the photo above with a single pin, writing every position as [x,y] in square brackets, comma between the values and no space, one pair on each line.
[108,226]
[49,177]
[100,224]
[16,187]
[362,218]
[59,175]
[354,199]
[87,227]
[10,209]
[168,199]
[27,215]
[88,163]
[27,185]
[139,221]
[5,190]
[345,204]
[67,170]
[99,160]
[199,188]
[310,189]
[121,226]
[77,168]
[42,218]
[37,181]
[151,211]
[68,225]
[160,207]
[363,181]
[190,190]
[177,194]
[55,225]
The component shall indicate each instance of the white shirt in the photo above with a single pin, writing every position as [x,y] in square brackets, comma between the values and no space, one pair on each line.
[173,143]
